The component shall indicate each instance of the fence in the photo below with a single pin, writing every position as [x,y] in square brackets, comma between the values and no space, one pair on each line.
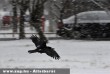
[13,36]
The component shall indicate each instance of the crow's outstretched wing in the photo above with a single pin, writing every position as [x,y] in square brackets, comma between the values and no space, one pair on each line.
[43,48]
[52,53]
[35,40]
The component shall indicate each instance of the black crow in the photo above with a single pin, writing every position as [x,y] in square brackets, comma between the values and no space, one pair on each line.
[41,47]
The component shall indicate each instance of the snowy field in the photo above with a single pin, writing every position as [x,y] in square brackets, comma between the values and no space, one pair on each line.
[82,57]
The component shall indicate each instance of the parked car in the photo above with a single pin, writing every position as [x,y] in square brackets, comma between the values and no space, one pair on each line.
[90,24]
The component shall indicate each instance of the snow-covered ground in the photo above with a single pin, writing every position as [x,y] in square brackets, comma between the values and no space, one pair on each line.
[82,57]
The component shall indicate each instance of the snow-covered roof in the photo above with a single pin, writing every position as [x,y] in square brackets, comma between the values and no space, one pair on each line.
[90,17]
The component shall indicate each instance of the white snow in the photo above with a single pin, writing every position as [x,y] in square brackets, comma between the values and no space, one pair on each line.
[82,57]
[90,17]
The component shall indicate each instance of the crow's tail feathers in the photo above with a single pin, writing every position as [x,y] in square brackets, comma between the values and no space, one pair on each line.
[52,53]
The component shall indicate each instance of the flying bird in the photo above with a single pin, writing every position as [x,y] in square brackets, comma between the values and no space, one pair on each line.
[41,47]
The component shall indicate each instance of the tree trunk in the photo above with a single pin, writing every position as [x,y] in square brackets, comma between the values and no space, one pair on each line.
[37,26]
[21,26]
[14,19]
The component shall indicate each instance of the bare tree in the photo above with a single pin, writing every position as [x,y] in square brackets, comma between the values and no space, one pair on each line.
[23,6]
[36,12]
[14,18]
[36,8]
[59,6]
